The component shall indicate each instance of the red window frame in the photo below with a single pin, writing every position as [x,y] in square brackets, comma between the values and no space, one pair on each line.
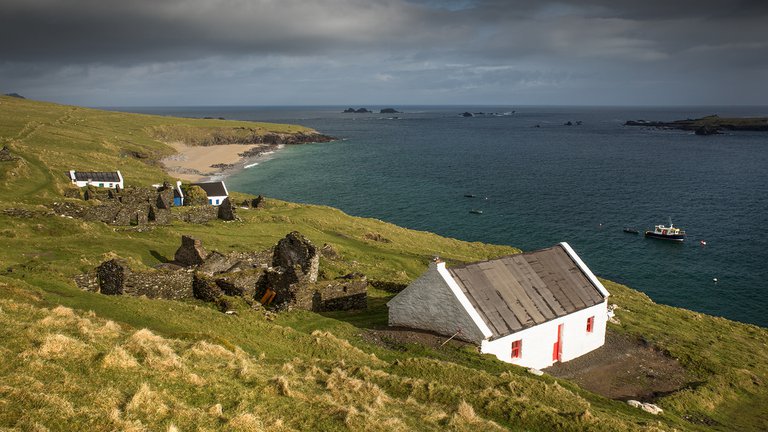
[517,349]
[590,324]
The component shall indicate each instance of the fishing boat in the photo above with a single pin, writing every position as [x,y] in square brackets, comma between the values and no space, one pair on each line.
[476,211]
[666,233]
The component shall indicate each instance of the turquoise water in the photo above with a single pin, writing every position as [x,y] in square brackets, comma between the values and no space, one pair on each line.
[580,184]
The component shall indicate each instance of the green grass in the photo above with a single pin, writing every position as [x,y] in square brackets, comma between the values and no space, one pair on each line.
[91,368]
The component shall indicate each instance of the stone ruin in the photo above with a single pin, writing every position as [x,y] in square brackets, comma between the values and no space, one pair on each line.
[285,276]
[139,206]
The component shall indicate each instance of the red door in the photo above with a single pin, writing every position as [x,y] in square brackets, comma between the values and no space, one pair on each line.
[557,349]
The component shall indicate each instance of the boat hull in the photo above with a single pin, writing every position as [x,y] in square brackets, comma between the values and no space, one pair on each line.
[670,237]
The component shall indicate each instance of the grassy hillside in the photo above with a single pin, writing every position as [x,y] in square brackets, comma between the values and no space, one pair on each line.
[74,360]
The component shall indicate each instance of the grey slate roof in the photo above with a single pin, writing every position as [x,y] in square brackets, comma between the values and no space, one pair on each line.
[212,188]
[519,291]
[97,176]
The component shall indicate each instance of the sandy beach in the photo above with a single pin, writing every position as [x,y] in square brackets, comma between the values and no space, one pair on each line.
[196,163]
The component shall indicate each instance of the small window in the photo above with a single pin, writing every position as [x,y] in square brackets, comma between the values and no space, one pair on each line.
[217,202]
[210,201]
[590,324]
[101,184]
[517,349]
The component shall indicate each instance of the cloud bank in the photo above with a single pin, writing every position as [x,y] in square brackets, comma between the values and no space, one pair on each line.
[169,52]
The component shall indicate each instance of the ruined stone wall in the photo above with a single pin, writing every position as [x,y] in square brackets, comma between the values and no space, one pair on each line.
[339,294]
[164,284]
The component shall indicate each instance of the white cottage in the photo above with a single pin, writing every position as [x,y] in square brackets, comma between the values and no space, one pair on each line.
[531,309]
[99,179]
[216,191]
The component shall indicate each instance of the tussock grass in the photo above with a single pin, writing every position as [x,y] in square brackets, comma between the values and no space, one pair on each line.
[59,346]
[119,358]
[153,350]
[147,403]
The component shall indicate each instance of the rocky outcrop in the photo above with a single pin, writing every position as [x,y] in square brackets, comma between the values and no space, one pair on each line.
[707,130]
[358,111]
[191,252]
[389,111]
[708,125]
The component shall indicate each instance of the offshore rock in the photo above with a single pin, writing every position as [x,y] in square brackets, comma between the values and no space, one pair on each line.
[191,252]
[707,130]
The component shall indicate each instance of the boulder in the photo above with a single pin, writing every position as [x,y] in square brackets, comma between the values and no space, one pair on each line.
[227,210]
[191,252]
[647,407]
[112,275]
[297,255]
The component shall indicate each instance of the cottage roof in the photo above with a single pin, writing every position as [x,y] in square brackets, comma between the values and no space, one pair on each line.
[213,188]
[523,290]
[97,176]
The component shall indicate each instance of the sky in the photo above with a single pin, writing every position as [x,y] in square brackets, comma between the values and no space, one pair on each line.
[377,52]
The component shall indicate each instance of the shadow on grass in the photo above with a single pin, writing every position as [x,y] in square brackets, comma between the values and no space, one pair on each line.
[376,316]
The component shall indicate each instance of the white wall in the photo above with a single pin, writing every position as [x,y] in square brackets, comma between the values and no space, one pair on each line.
[538,341]
[428,303]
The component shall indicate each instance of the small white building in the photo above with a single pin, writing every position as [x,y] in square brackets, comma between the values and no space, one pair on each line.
[531,309]
[216,191]
[99,179]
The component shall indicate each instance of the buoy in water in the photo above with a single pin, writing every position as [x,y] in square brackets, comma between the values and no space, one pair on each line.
[714,280]
[702,242]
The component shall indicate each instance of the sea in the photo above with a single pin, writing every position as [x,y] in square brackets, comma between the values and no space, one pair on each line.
[538,182]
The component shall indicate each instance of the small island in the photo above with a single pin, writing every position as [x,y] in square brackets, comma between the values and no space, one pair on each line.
[709,125]
[389,111]
[358,111]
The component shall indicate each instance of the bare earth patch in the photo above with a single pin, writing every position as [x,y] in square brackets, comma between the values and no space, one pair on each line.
[624,368]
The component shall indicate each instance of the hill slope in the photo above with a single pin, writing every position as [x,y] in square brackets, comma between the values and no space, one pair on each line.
[71,359]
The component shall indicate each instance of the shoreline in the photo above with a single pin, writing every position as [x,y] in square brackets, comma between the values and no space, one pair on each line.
[213,163]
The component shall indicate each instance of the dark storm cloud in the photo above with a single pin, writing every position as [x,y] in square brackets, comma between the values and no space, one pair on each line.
[459,46]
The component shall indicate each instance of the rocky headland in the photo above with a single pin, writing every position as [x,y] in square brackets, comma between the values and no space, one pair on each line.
[709,125]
